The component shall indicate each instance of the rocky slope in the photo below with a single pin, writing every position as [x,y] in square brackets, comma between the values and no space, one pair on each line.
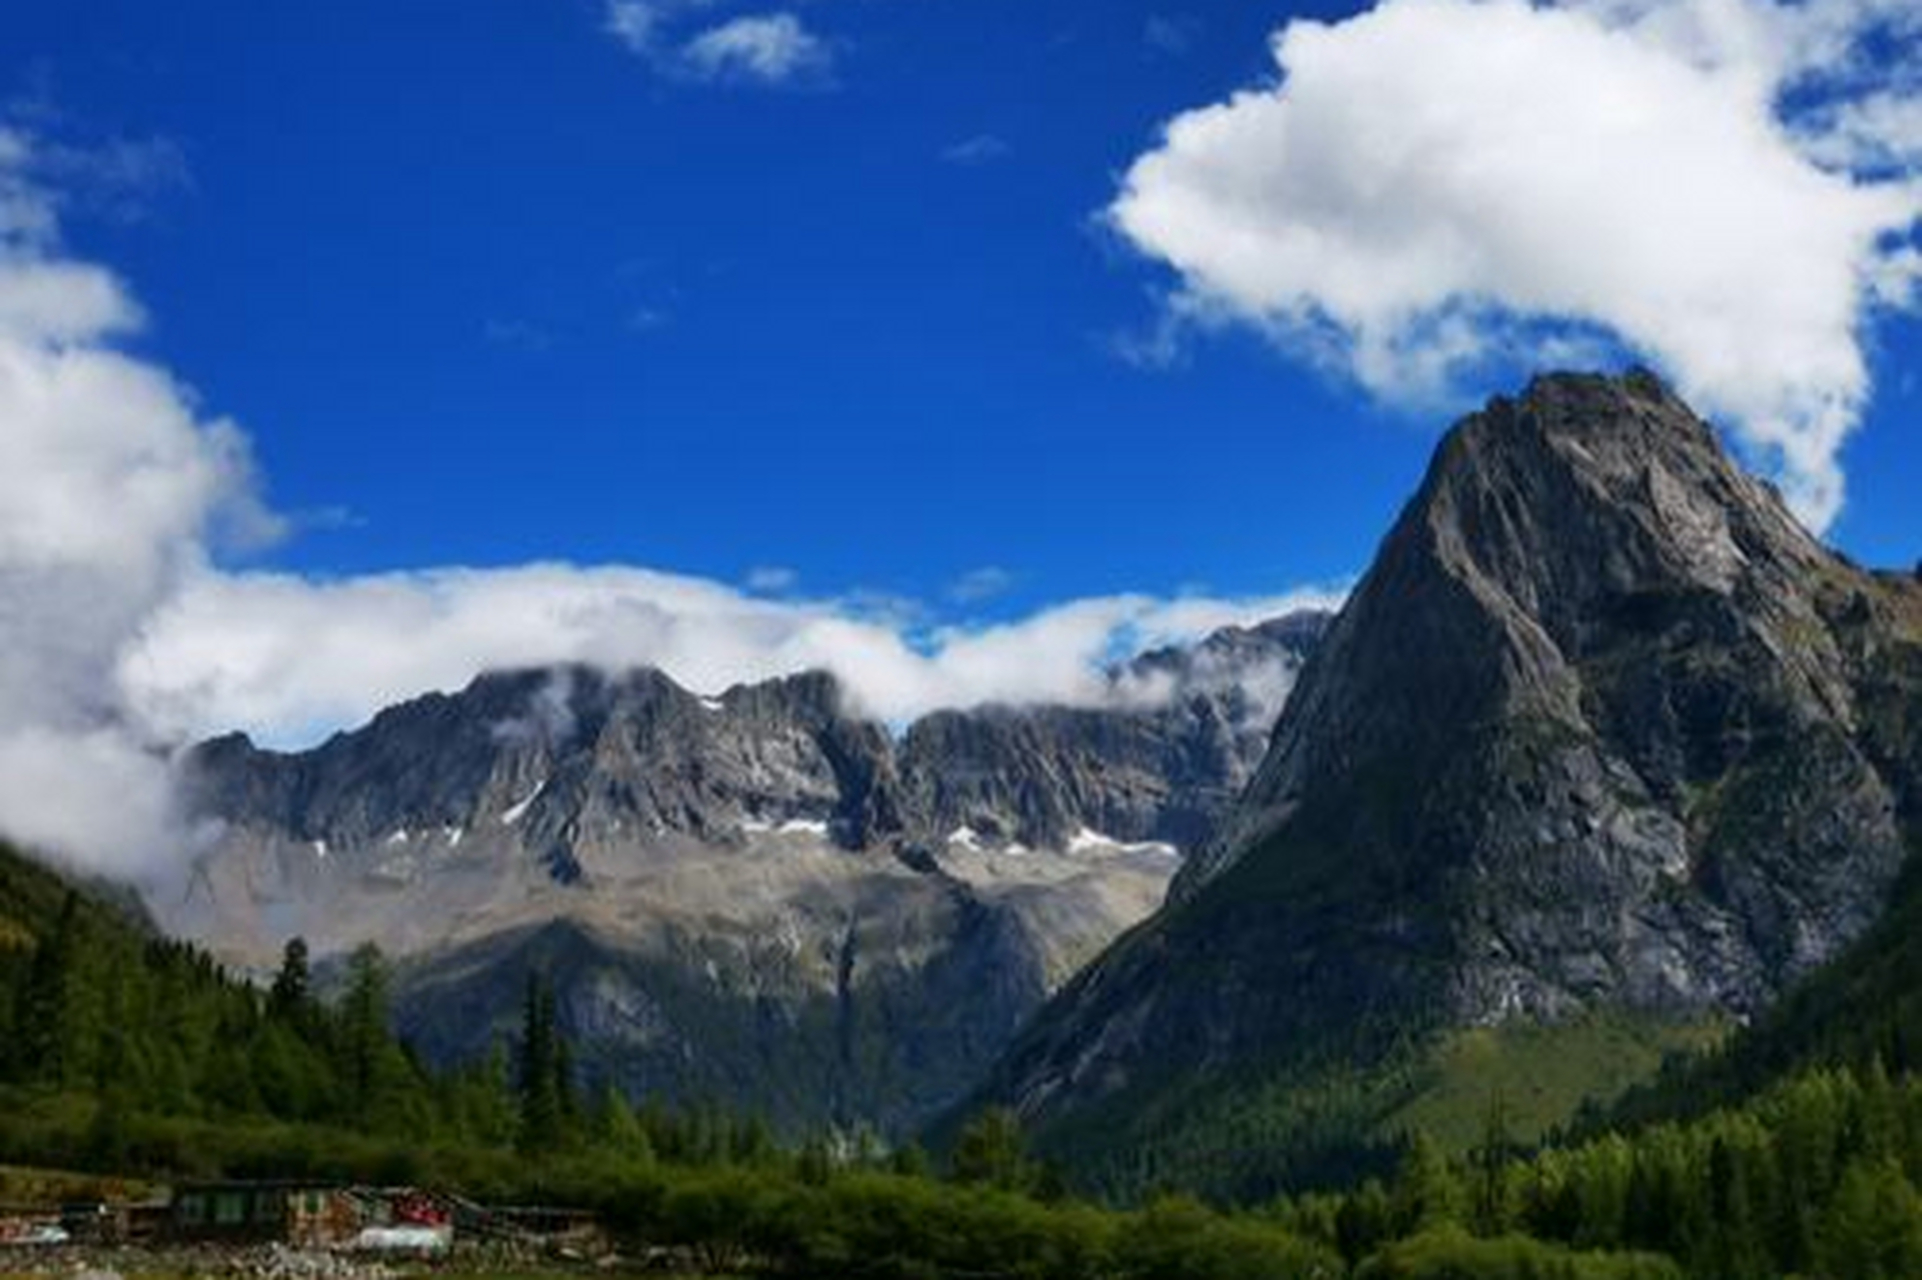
[1602,730]
[758,898]
[1164,773]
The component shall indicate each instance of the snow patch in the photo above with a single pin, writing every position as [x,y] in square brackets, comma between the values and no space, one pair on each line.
[1087,840]
[792,827]
[399,837]
[516,812]
[320,848]
[454,836]
[974,842]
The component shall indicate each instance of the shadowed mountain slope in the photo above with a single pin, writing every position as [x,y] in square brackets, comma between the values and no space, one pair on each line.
[1603,733]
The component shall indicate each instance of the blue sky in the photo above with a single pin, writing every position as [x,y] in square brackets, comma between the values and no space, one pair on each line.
[497,289]
[487,285]
[955,347]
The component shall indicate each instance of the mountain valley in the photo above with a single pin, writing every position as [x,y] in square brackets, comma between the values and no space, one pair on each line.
[758,899]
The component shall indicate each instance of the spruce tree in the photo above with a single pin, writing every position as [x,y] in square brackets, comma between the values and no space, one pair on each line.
[540,1065]
[49,1046]
[1489,1161]
[1427,1193]
[291,999]
[992,1151]
[364,1026]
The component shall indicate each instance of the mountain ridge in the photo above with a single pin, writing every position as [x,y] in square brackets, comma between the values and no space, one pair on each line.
[1593,733]
[757,886]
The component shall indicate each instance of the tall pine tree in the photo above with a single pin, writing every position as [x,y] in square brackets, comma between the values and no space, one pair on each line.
[541,1063]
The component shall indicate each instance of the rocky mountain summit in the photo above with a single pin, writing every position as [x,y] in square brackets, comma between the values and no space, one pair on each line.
[759,898]
[1161,764]
[1602,731]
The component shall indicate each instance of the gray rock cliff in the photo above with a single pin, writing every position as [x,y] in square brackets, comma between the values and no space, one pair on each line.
[1602,729]
[758,898]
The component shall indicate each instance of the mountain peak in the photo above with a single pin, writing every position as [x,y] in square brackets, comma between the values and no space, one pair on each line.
[1589,483]
[1588,515]
[1601,728]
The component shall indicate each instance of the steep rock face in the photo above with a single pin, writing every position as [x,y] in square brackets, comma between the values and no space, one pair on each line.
[1165,773]
[757,897]
[1602,728]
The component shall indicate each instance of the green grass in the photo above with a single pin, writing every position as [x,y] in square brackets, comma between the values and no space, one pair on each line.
[1299,1124]
[1540,1075]
[27,1185]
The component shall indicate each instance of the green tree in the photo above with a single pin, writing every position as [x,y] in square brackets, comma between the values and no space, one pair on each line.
[541,1062]
[618,1129]
[1489,1161]
[49,1044]
[1873,1228]
[992,1151]
[291,999]
[909,1160]
[1364,1221]
[366,1043]
[1427,1192]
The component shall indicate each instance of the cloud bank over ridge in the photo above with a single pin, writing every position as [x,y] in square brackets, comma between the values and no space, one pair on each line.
[125,632]
[288,659]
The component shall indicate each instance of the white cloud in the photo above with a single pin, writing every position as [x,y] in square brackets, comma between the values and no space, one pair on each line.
[111,490]
[116,177]
[982,148]
[288,659]
[124,633]
[981,584]
[1438,184]
[1882,131]
[771,579]
[634,23]
[771,48]
[1170,34]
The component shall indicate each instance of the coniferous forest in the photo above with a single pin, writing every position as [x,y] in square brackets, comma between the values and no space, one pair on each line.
[129,1055]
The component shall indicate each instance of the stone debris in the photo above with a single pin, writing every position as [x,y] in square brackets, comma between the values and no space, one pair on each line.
[266,1262]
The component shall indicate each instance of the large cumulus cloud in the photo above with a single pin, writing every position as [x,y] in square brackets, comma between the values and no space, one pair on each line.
[112,490]
[1725,187]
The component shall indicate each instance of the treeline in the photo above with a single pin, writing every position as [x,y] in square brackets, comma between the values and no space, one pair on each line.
[179,1067]
[125,1054]
[148,1025]
[1819,1176]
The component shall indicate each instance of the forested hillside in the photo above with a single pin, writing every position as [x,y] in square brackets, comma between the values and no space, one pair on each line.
[127,1054]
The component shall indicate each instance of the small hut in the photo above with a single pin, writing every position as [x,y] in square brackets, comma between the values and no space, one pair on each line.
[303,1214]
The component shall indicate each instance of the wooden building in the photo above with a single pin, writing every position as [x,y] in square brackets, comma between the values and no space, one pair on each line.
[303,1214]
[309,1215]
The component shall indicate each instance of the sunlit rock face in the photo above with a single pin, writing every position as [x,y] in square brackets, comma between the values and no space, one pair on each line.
[758,898]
